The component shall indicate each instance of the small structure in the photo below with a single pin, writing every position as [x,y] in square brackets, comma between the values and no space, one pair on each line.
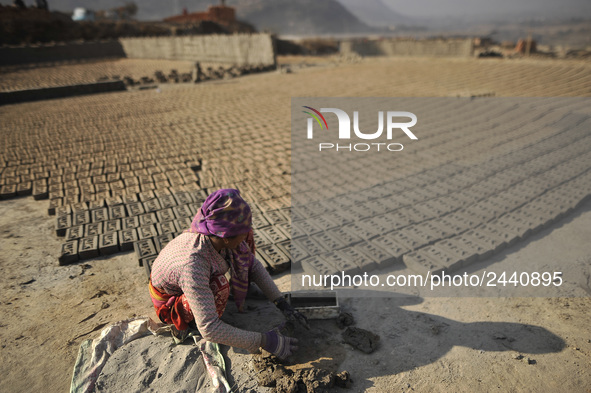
[82,14]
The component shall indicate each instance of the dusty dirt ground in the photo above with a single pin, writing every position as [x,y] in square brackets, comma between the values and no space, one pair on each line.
[427,344]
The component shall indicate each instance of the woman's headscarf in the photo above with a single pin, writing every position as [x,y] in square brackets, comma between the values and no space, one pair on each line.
[225,214]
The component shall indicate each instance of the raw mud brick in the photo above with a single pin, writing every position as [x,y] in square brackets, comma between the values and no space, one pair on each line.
[147,263]
[363,228]
[71,199]
[356,255]
[40,192]
[296,252]
[8,191]
[99,215]
[379,225]
[329,241]
[304,228]
[496,232]
[311,246]
[441,258]
[406,238]
[165,215]
[345,236]
[437,228]
[259,220]
[486,240]
[87,189]
[130,223]
[341,263]
[96,204]
[114,201]
[183,223]
[62,223]
[126,239]
[166,227]
[514,224]
[358,212]
[323,222]
[462,256]
[117,187]
[79,207]
[182,211]
[472,247]
[368,209]
[424,231]
[274,234]
[276,259]
[420,262]
[163,193]
[102,188]
[113,177]
[184,198]
[54,204]
[380,256]
[377,206]
[167,201]
[117,212]
[81,218]
[112,226]
[278,216]
[135,209]
[152,205]
[63,210]
[144,248]
[147,219]
[24,188]
[285,227]
[108,243]
[261,239]
[146,231]
[194,207]
[146,196]
[417,214]
[395,246]
[316,265]
[88,247]
[74,233]
[399,218]
[56,187]
[130,198]
[161,241]
[94,229]
[145,179]
[68,252]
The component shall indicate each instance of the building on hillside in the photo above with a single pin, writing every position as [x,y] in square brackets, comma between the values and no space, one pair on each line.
[219,14]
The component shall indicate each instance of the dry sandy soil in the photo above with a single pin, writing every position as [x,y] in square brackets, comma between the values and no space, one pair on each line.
[427,344]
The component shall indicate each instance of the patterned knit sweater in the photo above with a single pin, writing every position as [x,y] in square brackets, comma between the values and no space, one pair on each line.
[185,265]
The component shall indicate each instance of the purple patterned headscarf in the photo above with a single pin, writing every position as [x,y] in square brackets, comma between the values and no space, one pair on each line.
[225,214]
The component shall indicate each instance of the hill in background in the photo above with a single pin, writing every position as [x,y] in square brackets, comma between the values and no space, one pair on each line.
[302,17]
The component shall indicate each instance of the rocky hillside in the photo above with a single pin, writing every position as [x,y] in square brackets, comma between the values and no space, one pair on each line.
[302,17]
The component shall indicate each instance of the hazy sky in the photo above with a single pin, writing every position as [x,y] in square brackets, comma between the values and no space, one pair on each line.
[430,8]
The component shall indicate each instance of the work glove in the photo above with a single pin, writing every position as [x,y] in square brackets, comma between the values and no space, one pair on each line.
[278,344]
[290,313]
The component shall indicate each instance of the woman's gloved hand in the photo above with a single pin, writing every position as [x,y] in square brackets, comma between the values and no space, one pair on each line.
[278,344]
[290,313]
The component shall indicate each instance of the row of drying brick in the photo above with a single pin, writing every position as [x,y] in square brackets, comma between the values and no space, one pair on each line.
[149,220]
[434,246]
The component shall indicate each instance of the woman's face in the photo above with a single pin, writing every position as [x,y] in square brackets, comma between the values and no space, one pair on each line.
[234,242]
